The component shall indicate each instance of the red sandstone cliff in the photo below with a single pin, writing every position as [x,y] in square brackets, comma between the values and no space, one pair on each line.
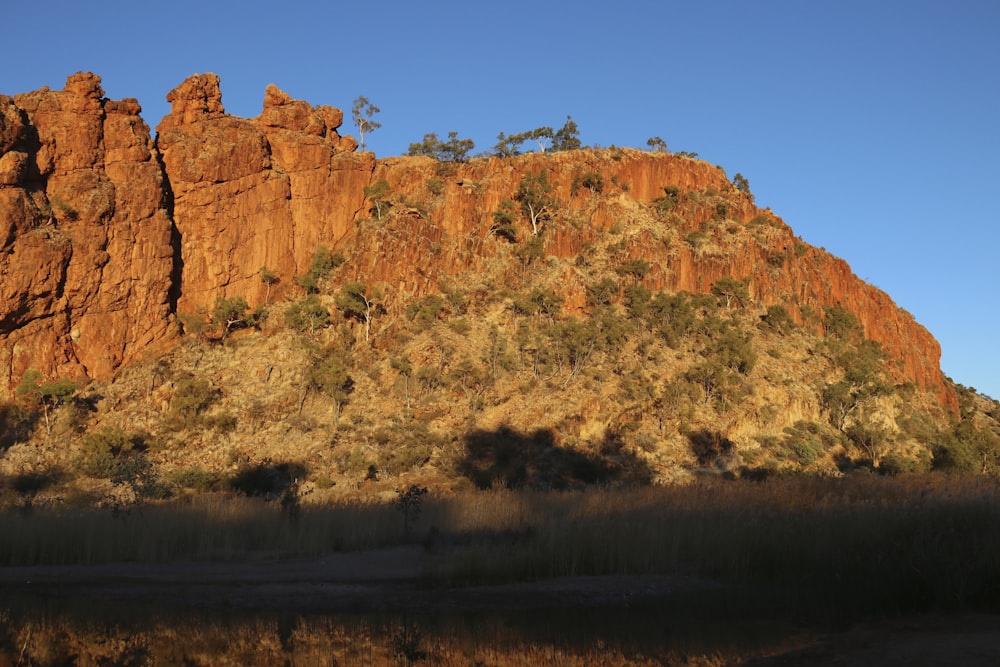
[85,238]
[106,235]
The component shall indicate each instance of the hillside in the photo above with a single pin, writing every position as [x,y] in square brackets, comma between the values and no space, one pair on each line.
[242,297]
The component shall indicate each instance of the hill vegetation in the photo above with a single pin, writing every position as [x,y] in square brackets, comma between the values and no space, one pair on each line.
[535,371]
[252,305]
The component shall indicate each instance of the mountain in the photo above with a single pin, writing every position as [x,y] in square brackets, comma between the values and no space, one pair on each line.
[198,256]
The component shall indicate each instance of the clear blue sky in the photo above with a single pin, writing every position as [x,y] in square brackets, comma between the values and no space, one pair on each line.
[871,127]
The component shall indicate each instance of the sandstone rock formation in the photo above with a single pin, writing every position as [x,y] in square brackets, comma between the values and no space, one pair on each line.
[106,235]
[86,238]
[254,193]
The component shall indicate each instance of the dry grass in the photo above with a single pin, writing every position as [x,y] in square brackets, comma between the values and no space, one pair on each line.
[904,543]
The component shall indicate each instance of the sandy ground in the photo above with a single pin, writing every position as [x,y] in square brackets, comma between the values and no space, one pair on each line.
[389,580]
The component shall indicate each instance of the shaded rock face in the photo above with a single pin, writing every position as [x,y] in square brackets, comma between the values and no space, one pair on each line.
[106,235]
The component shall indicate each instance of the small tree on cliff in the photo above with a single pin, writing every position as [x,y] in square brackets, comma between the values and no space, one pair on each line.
[378,194]
[657,144]
[537,200]
[362,113]
[359,303]
[270,278]
[452,150]
[231,314]
[329,375]
[729,289]
[44,394]
[567,137]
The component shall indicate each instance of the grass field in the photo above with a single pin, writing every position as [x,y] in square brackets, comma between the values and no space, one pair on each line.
[857,543]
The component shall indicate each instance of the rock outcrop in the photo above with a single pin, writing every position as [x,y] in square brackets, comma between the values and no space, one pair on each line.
[106,235]
[255,193]
[85,234]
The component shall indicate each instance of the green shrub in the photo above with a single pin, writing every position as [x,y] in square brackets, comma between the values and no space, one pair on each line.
[591,181]
[426,311]
[192,396]
[307,315]
[778,319]
[99,451]
[323,262]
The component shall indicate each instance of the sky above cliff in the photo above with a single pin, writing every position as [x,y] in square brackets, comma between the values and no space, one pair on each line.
[870,127]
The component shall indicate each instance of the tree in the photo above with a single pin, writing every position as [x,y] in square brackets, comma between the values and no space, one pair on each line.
[666,203]
[634,270]
[230,314]
[358,303]
[453,150]
[505,146]
[730,289]
[378,195]
[508,146]
[603,292]
[503,221]
[404,367]
[307,314]
[743,185]
[362,113]
[871,439]
[269,277]
[543,136]
[657,144]
[48,395]
[535,194]
[329,375]
[566,138]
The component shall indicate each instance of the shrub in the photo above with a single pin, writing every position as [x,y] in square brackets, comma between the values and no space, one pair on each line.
[503,220]
[667,202]
[192,396]
[591,181]
[16,424]
[266,479]
[426,311]
[777,319]
[113,454]
[435,186]
[734,350]
[603,292]
[323,262]
[634,269]
[307,315]
[841,323]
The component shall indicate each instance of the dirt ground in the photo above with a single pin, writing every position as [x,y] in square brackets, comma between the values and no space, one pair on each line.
[389,580]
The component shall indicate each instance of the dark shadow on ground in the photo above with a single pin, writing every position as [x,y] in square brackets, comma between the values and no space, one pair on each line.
[507,458]
[267,479]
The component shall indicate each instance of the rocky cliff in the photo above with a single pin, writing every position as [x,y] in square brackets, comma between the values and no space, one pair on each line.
[107,234]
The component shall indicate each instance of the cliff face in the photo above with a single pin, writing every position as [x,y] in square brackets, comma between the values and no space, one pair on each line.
[106,234]
[254,193]
[86,239]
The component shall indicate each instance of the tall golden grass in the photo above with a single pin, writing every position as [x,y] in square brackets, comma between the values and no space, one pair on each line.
[885,543]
